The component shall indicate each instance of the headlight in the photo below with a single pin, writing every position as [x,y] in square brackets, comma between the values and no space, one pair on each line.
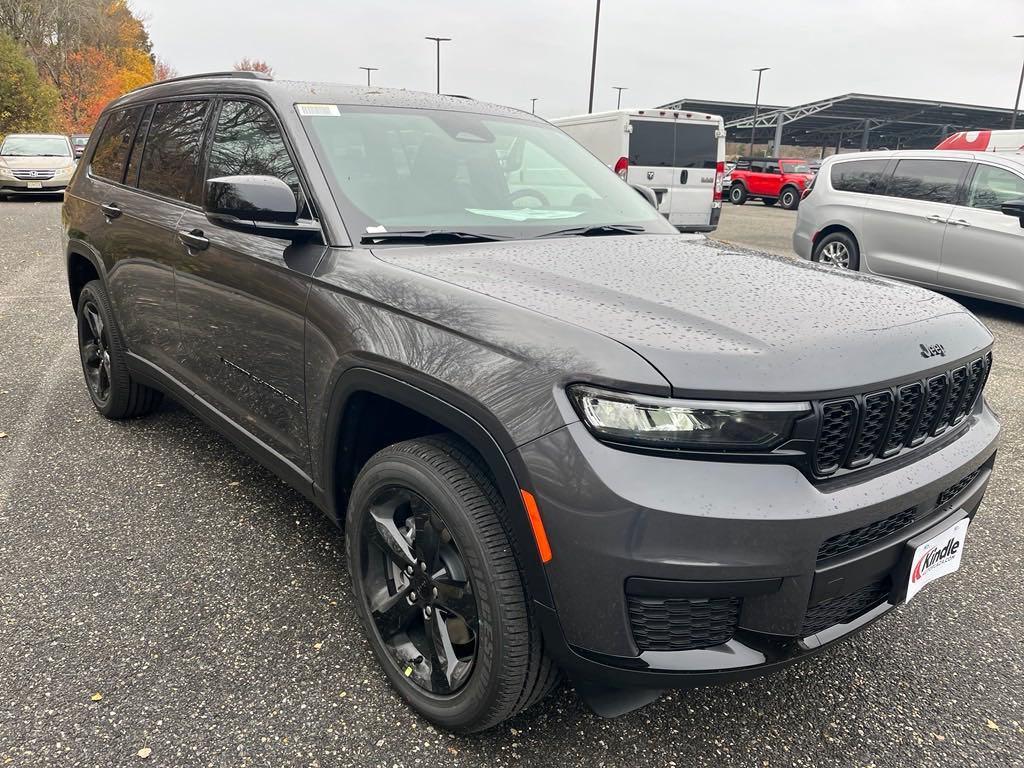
[6,173]
[660,422]
[65,171]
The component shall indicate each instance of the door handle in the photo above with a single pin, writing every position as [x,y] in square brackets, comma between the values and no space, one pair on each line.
[683,176]
[961,222]
[935,218]
[110,210]
[193,239]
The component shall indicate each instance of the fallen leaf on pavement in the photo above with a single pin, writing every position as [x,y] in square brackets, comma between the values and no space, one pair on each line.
[144,752]
[96,696]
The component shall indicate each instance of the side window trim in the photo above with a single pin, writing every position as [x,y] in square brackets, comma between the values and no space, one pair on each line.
[189,97]
[141,134]
[208,138]
[99,133]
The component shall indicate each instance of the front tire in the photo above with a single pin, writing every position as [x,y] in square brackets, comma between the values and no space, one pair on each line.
[438,586]
[737,194]
[114,392]
[837,249]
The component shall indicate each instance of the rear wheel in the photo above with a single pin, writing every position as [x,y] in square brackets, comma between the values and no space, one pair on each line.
[837,249]
[105,360]
[438,586]
[789,198]
[737,194]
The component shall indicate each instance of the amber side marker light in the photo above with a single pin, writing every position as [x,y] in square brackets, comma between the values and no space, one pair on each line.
[539,534]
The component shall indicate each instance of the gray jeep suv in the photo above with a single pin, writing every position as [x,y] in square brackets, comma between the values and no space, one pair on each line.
[560,436]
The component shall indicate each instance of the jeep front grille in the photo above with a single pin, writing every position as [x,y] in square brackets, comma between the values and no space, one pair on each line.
[855,431]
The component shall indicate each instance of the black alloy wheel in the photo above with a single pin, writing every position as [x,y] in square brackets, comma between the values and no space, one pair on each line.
[94,344]
[419,590]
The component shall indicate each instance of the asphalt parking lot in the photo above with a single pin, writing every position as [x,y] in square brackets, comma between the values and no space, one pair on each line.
[758,226]
[161,592]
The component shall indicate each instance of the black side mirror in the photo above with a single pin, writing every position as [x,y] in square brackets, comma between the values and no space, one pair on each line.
[647,194]
[1014,208]
[260,204]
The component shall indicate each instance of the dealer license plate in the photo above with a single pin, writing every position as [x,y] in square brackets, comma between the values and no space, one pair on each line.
[937,557]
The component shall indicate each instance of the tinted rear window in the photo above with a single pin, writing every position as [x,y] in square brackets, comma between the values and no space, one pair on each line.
[111,152]
[171,159]
[932,180]
[858,176]
[673,145]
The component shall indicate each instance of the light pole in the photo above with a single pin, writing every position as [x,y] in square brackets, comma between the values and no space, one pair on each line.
[368,71]
[618,98]
[593,58]
[757,103]
[438,40]
[533,106]
[1016,103]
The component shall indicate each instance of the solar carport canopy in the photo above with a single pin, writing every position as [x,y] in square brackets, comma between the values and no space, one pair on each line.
[852,121]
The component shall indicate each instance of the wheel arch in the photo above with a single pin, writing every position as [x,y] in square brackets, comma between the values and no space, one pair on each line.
[430,407]
[82,265]
[824,232]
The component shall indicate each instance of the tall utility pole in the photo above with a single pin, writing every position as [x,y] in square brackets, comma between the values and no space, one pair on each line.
[593,59]
[618,98]
[757,103]
[368,71]
[533,106]
[1016,103]
[438,40]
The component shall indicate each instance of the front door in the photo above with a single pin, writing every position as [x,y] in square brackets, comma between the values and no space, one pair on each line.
[242,296]
[983,251]
[904,227]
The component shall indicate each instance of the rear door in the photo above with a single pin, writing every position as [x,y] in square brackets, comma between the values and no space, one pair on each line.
[904,226]
[651,157]
[983,250]
[695,158]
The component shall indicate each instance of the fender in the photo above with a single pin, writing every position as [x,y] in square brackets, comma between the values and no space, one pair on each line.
[77,247]
[470,422]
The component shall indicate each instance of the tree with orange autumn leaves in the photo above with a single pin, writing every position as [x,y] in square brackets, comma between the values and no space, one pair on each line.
[91,51]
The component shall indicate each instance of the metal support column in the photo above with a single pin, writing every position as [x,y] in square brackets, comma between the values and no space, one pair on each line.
[778,135]
[865,135]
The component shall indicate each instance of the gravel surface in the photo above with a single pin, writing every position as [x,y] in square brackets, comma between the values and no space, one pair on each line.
[164,601]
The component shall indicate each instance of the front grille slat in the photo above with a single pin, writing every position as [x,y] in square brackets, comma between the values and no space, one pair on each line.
[33,175]
[957,488]
[682,624]
[849,541]
[854,431]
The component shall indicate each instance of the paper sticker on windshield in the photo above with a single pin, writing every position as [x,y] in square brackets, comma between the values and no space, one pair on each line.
[524,214]
[318,110]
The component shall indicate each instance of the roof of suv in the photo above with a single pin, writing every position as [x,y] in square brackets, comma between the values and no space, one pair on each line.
[300,91]
[1016,160]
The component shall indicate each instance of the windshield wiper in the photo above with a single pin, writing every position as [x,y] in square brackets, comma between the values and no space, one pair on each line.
[597,230]
[429,236]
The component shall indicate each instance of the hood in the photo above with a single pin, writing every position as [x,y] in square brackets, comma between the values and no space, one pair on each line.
[35,162]
[713,320]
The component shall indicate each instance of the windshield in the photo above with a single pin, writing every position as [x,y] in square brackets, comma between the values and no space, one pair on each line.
[796,168]
[395,169]
[79,141]
[29,146]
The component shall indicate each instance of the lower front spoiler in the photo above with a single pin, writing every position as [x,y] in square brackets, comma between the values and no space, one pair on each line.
[746,656]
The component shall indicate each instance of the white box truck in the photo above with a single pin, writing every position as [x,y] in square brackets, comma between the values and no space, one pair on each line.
[680,155]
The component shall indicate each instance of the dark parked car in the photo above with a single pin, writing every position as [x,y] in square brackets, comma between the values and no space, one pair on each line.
[79,141]
[560,436]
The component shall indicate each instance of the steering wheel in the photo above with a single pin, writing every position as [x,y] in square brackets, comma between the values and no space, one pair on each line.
[539,196]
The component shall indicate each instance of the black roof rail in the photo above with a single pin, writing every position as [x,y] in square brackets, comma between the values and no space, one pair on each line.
[241,75]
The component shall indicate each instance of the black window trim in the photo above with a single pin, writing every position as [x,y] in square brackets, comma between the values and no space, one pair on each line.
[146,120]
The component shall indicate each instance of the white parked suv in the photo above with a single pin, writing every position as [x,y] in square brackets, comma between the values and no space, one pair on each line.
[947,220]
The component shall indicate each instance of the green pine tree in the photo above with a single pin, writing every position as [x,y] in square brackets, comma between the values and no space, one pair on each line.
[27,103]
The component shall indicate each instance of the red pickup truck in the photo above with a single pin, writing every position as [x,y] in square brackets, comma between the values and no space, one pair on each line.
[771,179]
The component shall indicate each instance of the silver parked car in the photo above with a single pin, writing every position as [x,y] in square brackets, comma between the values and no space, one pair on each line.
[947,220]
[35,163]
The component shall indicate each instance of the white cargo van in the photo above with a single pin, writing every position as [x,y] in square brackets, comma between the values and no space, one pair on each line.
[680,155]
[985,141]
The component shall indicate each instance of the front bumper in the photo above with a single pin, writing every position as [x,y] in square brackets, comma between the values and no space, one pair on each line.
[735,536]
[28,187]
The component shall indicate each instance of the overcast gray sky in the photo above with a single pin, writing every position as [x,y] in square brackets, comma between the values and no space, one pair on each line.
[509,51]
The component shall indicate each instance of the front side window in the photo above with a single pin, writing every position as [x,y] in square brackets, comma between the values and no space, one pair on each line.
[115,140]
[170,161]
[394,169]
[991,187]
[248,142]
[935,181]
[791,167]
[863,176]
